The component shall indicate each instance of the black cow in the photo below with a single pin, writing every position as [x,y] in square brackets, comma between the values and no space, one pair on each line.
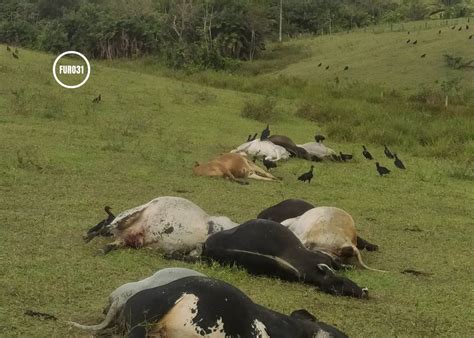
[202,306]
[292,208]
[269,248]
[286,209]
[291,147]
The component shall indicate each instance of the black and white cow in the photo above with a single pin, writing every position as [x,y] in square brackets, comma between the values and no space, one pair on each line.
[269,248]
[292,208]
[119,296]
[201,306]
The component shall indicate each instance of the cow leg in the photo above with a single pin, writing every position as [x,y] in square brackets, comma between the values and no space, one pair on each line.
[191,257]
[258,177]
[111,246]
[241,182]
[197,252]
[363,244]
[230,176]
[180,256]
[260,172]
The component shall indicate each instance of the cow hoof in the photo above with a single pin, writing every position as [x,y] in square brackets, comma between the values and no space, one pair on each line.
[365,293]
[371,247]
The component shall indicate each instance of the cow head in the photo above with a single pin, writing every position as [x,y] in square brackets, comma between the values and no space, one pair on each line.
[324,276]
[313,327]
[337,285]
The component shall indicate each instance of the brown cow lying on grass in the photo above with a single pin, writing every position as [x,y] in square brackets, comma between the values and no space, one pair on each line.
[235,167]
[330,230]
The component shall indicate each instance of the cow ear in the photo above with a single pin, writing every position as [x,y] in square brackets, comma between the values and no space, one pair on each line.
[302,314]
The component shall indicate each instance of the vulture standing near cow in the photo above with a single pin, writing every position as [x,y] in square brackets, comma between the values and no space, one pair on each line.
[98,230]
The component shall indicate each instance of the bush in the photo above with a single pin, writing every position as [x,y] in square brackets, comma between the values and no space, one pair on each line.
[456,62]
[53,38]
[306,111]
[263,111]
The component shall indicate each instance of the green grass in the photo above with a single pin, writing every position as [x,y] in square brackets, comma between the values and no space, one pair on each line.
[64,158]
[389,94]
[387,59]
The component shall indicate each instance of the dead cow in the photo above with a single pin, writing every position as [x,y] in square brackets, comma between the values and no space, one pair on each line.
[119,296]
[234,167]
[263,149]
[292,208]
[206,307]
[328,229]
[170,224]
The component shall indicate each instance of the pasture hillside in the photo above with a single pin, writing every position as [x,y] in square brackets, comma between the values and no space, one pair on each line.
[63,158]
[391,59]
[388,94]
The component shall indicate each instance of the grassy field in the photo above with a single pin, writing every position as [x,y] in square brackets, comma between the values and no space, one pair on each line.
[387,59]
[388,94]
[64,158]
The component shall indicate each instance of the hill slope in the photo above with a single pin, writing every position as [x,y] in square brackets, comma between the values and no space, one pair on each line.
[387,58]
[64,158]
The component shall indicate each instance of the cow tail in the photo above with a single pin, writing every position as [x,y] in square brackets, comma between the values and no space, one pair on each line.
[361,262]
[111,314]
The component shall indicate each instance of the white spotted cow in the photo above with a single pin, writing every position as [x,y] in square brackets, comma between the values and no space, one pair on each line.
[169,224]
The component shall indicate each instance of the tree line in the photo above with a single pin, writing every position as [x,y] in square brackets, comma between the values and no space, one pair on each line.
[203,33]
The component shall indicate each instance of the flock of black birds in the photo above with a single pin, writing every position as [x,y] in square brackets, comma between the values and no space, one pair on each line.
[415,42]
[327,67]
[439,33]
[459,29]
[380,169]
[14,53]
[308,176]
[346,157]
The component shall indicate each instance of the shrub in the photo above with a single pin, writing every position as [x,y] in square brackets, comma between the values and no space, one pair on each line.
[456,62]
[306,111]
[263,111]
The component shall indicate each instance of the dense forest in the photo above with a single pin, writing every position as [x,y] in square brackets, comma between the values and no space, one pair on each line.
[203,33]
